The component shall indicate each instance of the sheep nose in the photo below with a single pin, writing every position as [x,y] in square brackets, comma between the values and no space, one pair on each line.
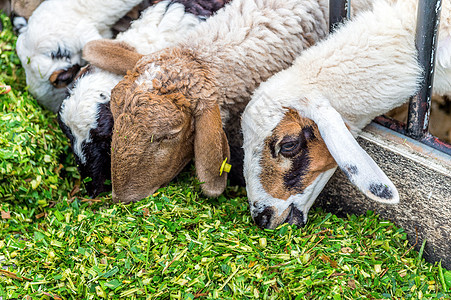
[295,216]
[269,219]
[263,219]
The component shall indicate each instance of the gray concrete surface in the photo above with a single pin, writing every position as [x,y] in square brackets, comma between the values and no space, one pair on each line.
[423,178]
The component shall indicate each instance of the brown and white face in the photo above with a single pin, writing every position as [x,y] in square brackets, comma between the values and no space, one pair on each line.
[294,158]
[291,152]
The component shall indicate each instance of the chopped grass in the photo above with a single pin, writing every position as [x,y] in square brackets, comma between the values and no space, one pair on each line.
[176,244]
[34,167]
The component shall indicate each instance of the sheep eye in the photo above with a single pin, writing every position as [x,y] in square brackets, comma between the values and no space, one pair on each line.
[61,54]
[289,149]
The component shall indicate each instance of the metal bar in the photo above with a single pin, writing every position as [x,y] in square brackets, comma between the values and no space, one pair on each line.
[428,17]
[435,143]
[338,11]
[395,125]
[426,139]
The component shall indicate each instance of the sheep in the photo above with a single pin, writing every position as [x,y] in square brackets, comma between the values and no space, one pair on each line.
[300,124]
[19,11]
[20,8]
[173,105]
[49,47]
[85,116]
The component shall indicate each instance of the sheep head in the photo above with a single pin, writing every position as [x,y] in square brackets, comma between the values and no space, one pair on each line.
[292,146]
[86,119]
[51,55]
[165,113]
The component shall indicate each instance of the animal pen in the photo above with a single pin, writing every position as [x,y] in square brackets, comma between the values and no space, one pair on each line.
[418,163]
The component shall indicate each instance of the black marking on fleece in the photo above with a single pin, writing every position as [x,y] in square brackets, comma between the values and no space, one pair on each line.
[350,170]
[380,190]
[203,8]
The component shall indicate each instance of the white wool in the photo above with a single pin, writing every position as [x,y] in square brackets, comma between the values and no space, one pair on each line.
[158,27]
[366,68]
[65,25]
[147,76]
[80,111]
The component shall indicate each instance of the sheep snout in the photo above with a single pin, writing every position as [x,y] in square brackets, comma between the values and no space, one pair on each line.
[269,217]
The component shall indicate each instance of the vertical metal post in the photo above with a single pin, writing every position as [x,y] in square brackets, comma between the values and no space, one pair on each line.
[425,40]
[339,10]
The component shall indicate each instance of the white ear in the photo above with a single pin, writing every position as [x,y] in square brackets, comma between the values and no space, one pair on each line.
[360,168]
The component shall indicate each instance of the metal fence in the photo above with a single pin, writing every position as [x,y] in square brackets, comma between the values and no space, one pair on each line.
[426,41]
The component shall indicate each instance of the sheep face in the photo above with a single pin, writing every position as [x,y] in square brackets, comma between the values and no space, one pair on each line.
[92,155]
[50,70]
[292,145]
[166,112]
[51,55]
[292,159]
[152,142]
[85,117]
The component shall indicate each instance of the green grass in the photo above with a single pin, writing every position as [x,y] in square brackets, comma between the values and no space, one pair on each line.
[176,244]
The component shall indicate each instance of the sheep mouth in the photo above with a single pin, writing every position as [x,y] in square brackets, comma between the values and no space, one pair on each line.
[268,217]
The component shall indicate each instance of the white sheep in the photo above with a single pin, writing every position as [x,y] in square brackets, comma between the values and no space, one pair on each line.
[173,105]
[300,123]
[49,47]
[85,116]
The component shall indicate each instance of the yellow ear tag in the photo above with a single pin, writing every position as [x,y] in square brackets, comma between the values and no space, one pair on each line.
[225,167]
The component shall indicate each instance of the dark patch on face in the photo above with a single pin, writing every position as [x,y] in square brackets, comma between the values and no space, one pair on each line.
[64,78]
[381,190]
[263,219]
[293,179]
[96,152]
[308,133]
[350,170]
[295,216]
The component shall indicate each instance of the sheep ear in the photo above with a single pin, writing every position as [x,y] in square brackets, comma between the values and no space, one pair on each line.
[211,148]
[359,167]
[113,56]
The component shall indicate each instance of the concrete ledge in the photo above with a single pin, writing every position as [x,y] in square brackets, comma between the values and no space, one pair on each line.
[423,178]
